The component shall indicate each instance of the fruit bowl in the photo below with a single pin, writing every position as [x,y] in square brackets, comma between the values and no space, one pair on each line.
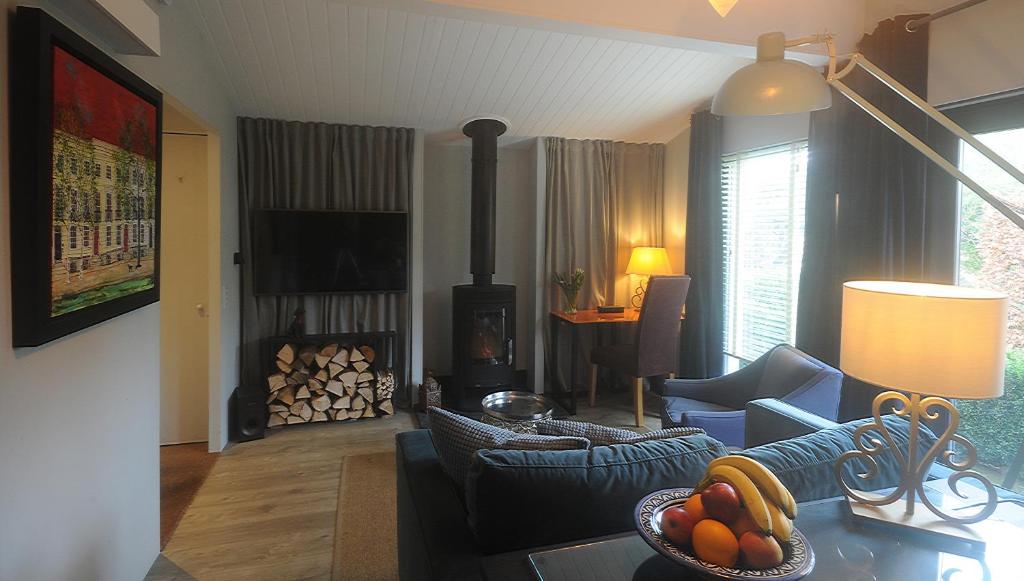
[798,558]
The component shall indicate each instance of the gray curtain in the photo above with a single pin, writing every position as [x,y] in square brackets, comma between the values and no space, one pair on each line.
[603,198]
[318,166]
[870,198]
[702,345]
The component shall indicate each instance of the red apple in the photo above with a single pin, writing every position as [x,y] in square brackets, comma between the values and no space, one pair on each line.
[760,551]
[721,502]
[677,525]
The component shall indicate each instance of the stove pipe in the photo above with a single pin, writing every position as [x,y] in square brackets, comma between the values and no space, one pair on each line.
[484,132]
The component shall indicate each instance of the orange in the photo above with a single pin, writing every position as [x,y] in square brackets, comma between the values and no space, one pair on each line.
[695,507]
[742,524]
[714,542]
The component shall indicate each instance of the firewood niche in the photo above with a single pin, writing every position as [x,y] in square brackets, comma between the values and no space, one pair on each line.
[325,382]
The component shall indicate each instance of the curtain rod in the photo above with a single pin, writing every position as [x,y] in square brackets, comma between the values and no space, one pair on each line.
[917,23]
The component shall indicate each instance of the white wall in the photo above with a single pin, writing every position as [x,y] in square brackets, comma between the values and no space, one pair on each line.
[446,201]
[79,491]
[972,53]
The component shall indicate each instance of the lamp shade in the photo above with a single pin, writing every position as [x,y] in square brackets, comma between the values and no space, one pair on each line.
[647,260]
[932,339]
[773,85]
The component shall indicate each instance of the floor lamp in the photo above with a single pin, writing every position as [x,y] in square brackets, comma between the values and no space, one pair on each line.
[774,85]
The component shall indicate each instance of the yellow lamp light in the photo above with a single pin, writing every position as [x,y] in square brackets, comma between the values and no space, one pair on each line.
[933,342]
[646,261]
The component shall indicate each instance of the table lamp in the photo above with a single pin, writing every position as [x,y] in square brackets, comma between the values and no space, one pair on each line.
[932,342]
[646,261]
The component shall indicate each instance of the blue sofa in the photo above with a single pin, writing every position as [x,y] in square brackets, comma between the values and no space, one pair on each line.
[521,499]
[718,404]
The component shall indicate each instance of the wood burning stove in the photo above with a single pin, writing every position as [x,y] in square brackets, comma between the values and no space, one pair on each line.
[483,313]
[483,340]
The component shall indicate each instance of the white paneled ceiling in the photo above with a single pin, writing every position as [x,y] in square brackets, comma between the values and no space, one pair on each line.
[326,60]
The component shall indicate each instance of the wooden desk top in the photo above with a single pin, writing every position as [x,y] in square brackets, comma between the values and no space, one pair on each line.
[592,317]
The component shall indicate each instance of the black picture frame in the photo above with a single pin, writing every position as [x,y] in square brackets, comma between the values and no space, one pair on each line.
[35,35]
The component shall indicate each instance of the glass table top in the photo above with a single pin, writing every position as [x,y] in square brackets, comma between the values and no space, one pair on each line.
[844,550]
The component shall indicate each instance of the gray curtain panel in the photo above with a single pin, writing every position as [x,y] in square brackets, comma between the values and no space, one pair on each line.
[318,166]
[886,194]
[603,198]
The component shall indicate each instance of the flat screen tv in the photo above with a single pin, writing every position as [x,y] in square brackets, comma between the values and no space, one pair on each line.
[318,252]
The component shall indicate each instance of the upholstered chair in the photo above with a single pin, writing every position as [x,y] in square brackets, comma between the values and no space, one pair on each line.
[717,404]
[655,347]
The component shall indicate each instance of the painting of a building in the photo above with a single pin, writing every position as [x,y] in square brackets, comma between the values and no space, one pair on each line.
[104,211]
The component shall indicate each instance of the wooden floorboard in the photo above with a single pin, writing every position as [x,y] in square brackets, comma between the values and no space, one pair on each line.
[267,511]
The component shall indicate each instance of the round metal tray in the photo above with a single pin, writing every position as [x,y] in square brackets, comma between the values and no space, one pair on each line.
[517,406]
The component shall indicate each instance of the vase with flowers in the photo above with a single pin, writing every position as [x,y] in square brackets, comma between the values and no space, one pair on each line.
[570,283]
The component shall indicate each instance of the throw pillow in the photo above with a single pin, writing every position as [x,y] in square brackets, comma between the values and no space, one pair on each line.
[458,439]
[605,436]
[806,464]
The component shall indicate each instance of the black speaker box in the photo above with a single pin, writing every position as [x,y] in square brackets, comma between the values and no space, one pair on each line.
[247,416]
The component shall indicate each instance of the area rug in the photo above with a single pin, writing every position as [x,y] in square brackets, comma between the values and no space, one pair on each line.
[183,468]
[365,536]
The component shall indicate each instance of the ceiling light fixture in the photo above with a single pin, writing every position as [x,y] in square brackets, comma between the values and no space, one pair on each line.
[722,7]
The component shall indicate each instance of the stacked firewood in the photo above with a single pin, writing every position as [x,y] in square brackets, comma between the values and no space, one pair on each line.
[327,383]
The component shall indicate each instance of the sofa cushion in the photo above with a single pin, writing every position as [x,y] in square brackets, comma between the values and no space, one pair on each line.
[675,407]
[805,464]
[458,438]
[519,499]
[605,436]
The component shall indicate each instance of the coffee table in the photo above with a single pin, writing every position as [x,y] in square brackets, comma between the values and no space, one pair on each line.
[843,550]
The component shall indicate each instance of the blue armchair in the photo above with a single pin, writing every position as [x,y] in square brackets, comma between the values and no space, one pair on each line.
[718,404]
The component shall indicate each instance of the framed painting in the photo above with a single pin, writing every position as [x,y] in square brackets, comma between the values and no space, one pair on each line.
[85,183]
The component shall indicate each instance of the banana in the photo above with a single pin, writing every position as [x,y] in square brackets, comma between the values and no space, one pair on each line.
[749,493]
[763,478]
[782,526]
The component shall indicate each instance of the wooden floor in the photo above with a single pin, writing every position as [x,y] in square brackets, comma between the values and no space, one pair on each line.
[267,510]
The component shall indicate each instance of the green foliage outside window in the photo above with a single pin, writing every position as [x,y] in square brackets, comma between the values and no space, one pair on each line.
[996,426]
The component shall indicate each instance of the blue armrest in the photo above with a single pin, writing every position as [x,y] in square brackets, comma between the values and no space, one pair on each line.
[771,420]
[726,427]
[727,390]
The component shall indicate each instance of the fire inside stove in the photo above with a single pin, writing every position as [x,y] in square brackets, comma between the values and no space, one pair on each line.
[487,343]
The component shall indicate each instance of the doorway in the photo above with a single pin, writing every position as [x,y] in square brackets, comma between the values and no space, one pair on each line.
[190,409]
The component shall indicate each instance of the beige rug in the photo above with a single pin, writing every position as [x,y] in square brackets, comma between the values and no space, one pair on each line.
[365,536]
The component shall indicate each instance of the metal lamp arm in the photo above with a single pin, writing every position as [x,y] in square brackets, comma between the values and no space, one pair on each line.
[835,79]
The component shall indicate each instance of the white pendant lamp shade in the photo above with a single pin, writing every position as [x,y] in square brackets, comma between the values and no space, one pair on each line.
[773,85]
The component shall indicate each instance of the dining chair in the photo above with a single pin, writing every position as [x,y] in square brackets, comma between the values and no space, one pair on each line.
[655,347]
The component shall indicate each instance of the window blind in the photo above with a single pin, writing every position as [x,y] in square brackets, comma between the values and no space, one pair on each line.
[763,200]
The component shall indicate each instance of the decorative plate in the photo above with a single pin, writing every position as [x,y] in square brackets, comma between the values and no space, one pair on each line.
[799,558]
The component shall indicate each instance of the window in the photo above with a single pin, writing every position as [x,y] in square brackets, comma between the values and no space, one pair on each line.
[73,237]
[109,236]
[990,250]
[763,199]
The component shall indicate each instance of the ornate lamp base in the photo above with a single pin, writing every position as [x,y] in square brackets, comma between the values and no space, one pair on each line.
[920,522]
[882,508]
[637,300]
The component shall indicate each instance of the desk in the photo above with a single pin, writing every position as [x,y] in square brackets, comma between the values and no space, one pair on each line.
[566,397]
